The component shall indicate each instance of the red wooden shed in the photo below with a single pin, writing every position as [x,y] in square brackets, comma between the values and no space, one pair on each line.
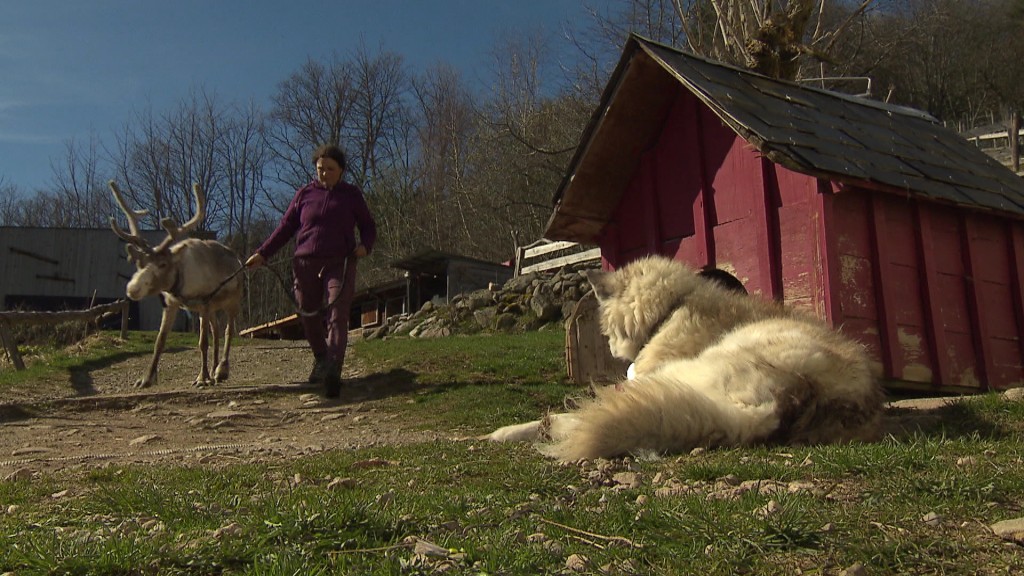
[874,216]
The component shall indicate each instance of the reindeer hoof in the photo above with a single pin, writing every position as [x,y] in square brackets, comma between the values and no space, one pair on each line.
[221,376]
[203,382]
[142,383]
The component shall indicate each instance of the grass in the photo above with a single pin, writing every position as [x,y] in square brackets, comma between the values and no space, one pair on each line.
[44,361]
[917,504]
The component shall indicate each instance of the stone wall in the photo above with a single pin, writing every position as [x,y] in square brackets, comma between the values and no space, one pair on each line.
[527,302]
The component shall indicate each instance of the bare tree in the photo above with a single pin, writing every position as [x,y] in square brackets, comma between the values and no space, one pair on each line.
[957,60]
[79,184]
[165,154]
[242,157]
[445,124]
[527,133]
[11,204]
[381,84]
[772,37]
[311,107]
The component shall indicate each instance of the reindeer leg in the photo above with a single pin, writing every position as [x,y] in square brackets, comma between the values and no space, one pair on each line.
[215,331]
[166,322]
[224,368]
[204,348]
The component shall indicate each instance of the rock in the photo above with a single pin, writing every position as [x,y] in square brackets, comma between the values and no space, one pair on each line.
[20,474]
[521,283]
[142,439]
[477,300]
[543,304]
[425,548]
[505,321]
[553,547]
[626,480]
[576,563]
[532,301]
[232,529]
[932,519]
[802,486]
[1014,394]
[857,569]
[1010,530]
[485,316]
[29,450]
[226,415]
[770,509]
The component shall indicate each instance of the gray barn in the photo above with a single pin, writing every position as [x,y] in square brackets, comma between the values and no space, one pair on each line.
[69,269]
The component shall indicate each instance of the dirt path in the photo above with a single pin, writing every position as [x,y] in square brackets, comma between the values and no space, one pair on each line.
[265,412]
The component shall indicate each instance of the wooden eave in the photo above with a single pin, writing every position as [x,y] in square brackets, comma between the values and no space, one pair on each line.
[627,122]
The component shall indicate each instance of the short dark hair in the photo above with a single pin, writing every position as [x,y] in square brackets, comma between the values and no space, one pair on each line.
[331,151]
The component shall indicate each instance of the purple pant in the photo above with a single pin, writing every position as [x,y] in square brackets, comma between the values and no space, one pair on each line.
[318,282]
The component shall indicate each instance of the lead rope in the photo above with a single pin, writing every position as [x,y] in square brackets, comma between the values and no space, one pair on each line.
[284,285]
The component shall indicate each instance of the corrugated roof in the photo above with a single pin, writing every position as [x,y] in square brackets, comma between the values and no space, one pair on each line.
[431,261]
[809,130]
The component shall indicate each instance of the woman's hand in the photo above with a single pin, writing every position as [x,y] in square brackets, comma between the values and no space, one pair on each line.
[254,261]
[360,251]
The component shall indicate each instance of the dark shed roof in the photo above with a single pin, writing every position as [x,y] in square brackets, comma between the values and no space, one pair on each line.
[808,130]
[435,262]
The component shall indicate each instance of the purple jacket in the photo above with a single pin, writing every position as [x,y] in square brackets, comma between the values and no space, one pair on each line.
[323,223]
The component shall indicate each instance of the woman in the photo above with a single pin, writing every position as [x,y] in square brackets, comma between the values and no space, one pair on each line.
[323,217]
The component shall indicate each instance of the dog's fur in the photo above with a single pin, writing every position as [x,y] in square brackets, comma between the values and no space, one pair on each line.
[713,367]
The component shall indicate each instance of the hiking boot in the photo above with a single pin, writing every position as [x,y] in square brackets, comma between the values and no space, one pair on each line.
[332,380]
[316,376]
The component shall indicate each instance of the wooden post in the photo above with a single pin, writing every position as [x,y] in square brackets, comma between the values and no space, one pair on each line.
[92,302]
[11,346]
[124,319]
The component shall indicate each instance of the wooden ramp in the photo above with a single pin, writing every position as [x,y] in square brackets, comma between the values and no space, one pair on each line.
[287,328]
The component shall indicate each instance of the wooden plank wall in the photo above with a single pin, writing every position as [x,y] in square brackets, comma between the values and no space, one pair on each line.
[933,290]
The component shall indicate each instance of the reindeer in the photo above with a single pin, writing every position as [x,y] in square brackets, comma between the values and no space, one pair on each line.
[198,275]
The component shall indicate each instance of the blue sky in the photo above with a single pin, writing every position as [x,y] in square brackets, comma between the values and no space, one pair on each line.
[73,69]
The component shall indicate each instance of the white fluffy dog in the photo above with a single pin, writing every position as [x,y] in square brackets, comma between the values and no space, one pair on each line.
[712,368]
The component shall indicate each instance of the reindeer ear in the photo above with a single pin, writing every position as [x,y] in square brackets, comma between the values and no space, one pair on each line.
[135,254]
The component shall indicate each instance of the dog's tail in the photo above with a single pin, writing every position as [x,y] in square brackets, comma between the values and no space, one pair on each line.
[656,413]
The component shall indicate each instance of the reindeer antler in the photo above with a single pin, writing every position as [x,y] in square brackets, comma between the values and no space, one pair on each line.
[133,237]
[180,232]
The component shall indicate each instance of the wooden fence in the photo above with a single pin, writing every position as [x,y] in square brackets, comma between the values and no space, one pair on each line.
[547,255]
[94,314]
